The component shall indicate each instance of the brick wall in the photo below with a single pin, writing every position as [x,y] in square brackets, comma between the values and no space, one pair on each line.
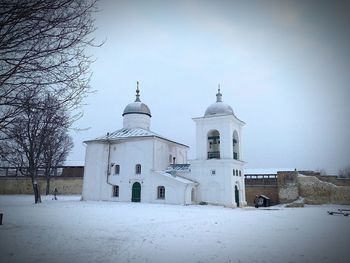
[269,191]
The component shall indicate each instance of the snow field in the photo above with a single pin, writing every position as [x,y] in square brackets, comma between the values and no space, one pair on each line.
[69,230]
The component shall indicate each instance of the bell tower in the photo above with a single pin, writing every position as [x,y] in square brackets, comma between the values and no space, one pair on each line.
[218,166]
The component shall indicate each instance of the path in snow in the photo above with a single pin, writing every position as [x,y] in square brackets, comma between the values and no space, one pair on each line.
[69,230]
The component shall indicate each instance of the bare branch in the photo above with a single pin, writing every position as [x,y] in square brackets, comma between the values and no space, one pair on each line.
[42,45]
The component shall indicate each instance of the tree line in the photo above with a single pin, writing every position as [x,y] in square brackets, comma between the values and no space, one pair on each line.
[44,77]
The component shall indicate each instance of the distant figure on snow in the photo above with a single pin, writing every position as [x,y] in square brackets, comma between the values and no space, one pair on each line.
[55,192]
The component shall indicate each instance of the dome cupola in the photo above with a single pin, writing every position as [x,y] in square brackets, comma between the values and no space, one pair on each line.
[218,108]
[137,107]
[137,114]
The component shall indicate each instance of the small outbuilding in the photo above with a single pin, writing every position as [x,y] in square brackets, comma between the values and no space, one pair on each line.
[262,200]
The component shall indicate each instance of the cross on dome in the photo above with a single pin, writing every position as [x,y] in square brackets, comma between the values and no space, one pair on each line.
[218,108]
[137,92]
[137,107]
[218,95]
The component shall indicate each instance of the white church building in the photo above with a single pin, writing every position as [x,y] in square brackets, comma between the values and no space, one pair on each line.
[134,164]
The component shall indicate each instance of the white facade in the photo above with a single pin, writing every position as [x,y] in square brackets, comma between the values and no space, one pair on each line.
[136,164]
[111,161]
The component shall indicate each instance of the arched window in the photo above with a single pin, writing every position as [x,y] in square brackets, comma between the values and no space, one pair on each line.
[213,144]
[117,169]
[138,169]
[235,145]
[160,192]
[116,190]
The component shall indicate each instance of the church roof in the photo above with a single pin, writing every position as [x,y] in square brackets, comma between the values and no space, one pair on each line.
[126,133]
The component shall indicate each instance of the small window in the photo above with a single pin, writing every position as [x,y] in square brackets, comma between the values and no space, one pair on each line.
[240,173]
[236,172]
[161,192]
[138,169]
[233,172]
[212,172]
[116,169]
[116,190]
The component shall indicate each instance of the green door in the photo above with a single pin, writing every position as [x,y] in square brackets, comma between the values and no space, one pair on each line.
[237,195]
[136,192]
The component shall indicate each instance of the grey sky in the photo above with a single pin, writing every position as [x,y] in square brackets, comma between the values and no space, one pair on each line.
[284,67]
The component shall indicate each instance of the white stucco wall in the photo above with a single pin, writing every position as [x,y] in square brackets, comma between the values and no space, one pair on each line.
[218,188]
[137,121]
[95,170]
[163,149]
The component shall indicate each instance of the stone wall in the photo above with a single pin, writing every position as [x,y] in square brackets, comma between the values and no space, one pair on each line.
[315,191]
[287,183]
[289,187]
[335,180]
[23,185]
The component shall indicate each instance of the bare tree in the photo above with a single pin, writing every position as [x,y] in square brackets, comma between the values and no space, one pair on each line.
[42,48]
[44,74]
[54,135]
[26,144]
[39,137]
[57,146]
[344,173]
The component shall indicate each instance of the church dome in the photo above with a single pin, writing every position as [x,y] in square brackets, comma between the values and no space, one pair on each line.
[218,108]
[137,107]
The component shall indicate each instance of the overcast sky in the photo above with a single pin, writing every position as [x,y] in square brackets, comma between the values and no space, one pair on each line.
[284,67]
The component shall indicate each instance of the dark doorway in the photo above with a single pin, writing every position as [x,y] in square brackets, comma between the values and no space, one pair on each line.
[136,192]
[237,195]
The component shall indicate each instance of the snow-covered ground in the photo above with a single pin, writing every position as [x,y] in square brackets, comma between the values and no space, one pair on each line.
[69,230]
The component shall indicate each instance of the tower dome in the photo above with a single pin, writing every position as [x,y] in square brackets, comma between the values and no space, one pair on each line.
[218,108]
[137,114]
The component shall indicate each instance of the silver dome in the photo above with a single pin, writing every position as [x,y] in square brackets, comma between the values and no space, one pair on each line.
[218,108]
[137,107]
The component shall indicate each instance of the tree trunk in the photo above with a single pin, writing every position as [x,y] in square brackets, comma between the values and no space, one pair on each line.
[47,184]
[36,190]
[39,195]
